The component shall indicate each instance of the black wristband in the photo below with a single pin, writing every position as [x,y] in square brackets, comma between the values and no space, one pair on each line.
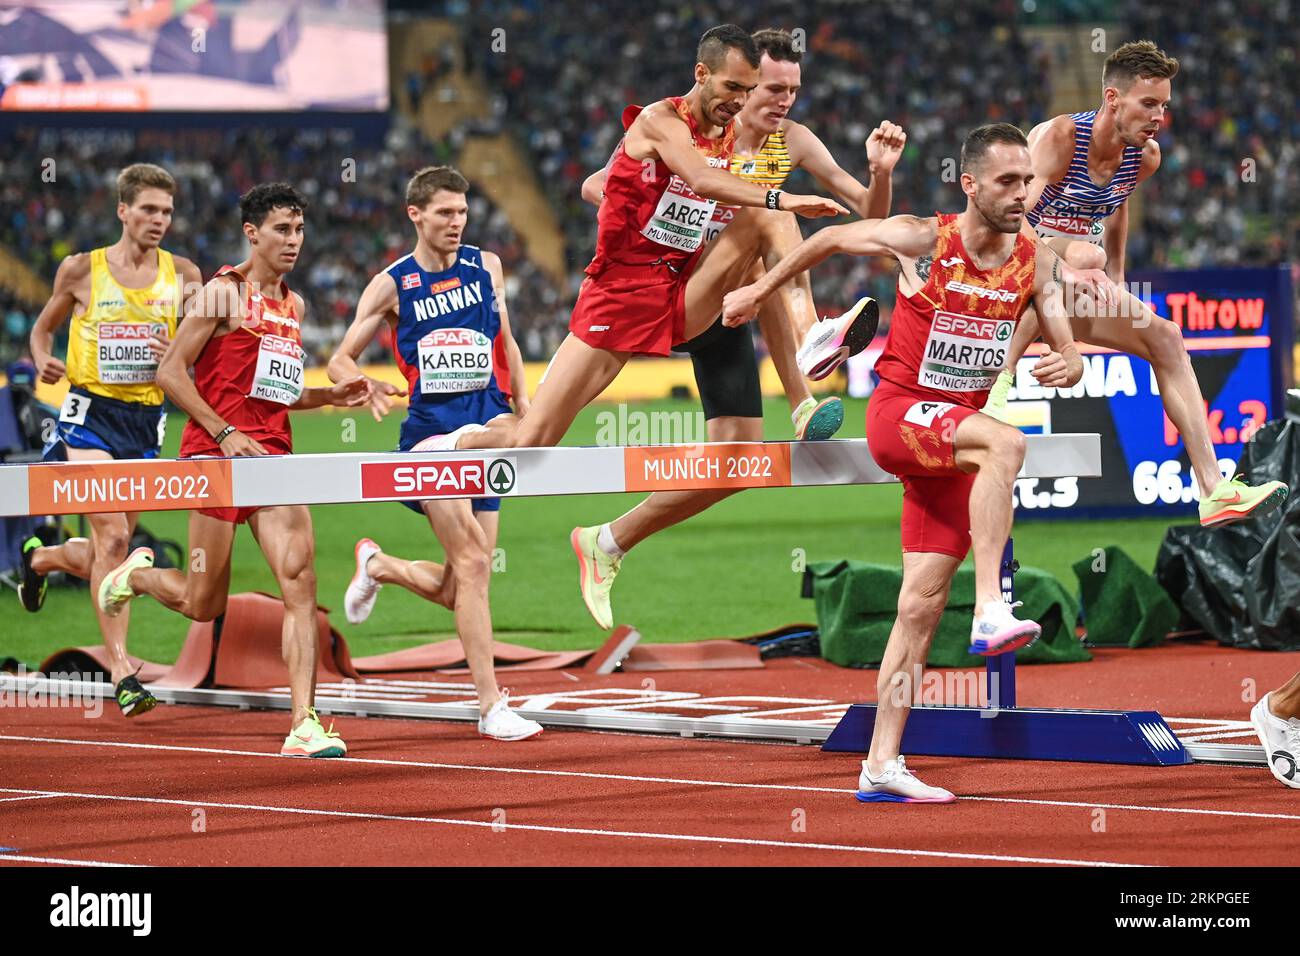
[225,433]
[774,199]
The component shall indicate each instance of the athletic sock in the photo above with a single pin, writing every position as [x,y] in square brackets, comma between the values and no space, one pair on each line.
[605,541]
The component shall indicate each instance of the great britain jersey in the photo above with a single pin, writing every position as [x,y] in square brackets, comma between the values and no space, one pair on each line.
[1075,207]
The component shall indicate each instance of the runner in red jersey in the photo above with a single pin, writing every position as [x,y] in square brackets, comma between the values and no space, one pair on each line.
[964,282]
[242,336]
[653,282]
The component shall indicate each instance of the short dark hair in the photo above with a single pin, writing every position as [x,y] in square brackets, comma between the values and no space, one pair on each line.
[981,138]
[256,204]
[778,45]
[430,179]
[715,43]
[1140,59]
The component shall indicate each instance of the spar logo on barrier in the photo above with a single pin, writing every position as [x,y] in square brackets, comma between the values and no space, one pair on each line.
[461,478]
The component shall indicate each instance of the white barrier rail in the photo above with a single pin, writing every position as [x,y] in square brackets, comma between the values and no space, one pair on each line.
[173,485]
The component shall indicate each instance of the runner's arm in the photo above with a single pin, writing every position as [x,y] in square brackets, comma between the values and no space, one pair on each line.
[655,133]
[884,147]
[593,187]
[899,236]
[349,393]
[216,303]
[191,280]
[73,270]
[1062,367]
[378,304]
[1114,241]
[514,358]
[1051,147]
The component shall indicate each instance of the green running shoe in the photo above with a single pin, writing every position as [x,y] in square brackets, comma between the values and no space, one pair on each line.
[1234,500]
[817,421]
[31,589]
[133,698]
[996,406]
[310,739]
[596,572]
[115,590]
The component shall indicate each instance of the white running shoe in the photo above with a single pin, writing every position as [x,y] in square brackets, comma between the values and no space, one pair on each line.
[1281,740]
[897,784]
[502,723]
[831,341]
[448,441]
[996,630]
[359,599]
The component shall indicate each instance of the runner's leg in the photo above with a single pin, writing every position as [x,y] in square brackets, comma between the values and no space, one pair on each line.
[284,533]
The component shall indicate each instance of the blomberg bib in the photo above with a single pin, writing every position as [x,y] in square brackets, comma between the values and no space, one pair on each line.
[108,344]
[454,360]
[123,352]
[278,377]
[964,353]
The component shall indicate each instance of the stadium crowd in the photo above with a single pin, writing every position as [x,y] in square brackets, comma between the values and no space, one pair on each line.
[1228,192]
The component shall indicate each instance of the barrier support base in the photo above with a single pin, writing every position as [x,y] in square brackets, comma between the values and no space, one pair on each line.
[1022,733]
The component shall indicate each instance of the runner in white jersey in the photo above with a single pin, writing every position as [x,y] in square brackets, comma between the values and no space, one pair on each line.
[1086,165]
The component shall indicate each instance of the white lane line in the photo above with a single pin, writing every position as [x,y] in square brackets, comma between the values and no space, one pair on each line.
[14,799]
[13,858]
[581,831]
[632,778]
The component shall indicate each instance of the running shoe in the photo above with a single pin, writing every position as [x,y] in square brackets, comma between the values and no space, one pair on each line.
[502,723]
[596,572]
[1234,500]
[997,631]
[817,421]
[996,405]
[897,784]
[831,341]
[115,590]
[31,587]
[133,698]
[310,739]
[1281,740]
[359,599]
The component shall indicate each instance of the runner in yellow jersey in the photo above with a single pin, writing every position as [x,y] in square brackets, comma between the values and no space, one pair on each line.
[123,300]
[769,145]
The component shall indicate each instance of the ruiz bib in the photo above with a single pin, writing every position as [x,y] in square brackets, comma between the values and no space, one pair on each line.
[278,377]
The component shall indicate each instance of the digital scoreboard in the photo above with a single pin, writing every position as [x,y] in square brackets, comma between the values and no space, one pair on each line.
[1238,328]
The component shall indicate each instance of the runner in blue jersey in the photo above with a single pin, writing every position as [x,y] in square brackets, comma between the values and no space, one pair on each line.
[446,305]
[1086,165]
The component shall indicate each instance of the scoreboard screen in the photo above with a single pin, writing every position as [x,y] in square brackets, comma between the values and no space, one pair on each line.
[1237,325]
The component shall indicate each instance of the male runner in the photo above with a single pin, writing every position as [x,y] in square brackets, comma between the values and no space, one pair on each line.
[124,300]
[653,283]
[446,305]
[242,336]
[1115,145]
[769,146]
[964,282]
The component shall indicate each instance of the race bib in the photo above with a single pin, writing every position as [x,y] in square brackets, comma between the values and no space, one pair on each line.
[123,352]
[454,360]
[681,218]
[278,377]
[1058,225]
[74,409]
[964,353]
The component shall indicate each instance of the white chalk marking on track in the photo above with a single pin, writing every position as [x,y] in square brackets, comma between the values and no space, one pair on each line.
[15,858]
[579,831]
[687,781]
[33,797]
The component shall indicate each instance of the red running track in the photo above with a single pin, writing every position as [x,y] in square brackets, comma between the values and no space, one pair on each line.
[202,786]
